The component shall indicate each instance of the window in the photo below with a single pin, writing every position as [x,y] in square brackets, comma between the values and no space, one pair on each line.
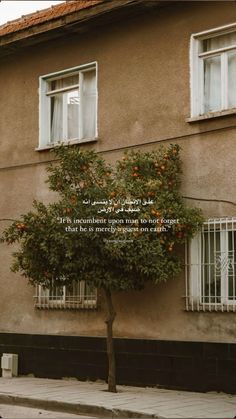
[80,296]
[211,267]
[213,71]
[68,106]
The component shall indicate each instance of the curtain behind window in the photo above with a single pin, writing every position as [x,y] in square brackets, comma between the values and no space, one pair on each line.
[89,104]
[212,73]
[64,107]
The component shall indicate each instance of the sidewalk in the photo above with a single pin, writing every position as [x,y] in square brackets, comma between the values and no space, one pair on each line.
[130,402]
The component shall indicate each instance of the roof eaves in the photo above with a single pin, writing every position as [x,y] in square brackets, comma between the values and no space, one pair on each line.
[45,15]
[72,21]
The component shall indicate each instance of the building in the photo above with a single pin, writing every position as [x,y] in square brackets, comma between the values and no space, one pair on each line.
[147,73]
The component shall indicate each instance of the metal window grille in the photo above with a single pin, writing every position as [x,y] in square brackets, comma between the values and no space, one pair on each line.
[80,296]
[211,267]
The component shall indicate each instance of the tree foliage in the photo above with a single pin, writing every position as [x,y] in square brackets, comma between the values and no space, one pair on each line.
[116,227]
[122,258]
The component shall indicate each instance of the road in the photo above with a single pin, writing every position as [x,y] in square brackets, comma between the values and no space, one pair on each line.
[8,411]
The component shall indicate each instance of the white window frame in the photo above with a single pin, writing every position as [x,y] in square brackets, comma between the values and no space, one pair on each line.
[196,70]
[195,298]
[44,299]
[44,105]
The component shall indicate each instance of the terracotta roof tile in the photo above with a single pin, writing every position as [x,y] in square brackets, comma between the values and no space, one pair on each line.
[45,15]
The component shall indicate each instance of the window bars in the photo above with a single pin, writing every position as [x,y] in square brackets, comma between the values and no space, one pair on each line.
[210,267]
[80,296]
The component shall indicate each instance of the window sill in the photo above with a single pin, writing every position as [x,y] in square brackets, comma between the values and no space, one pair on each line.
[211,115]
[73,142]
[196,306]
[72,306]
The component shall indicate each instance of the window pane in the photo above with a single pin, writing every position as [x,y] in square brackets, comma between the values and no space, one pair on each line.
[72,114]
[89,104]
[211,267]
[56,117]
[56,293]
[232,79]
[65,116]
[63,82]
[90,291]
[220,41]
[80,290]
[212,84]
[73,292]
[231,266]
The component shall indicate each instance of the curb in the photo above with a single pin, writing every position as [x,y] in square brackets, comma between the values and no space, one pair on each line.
[77,408]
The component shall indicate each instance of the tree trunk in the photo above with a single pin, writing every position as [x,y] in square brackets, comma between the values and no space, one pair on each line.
[110,344]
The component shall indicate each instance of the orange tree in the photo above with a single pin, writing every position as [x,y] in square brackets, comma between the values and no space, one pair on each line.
[116,227]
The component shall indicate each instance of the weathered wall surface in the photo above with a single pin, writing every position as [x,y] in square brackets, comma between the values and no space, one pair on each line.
[144,101]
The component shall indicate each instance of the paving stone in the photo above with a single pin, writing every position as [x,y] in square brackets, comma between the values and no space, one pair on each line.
[150,401]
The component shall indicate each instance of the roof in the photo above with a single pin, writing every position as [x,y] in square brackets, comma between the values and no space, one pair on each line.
[67,19]
[42,16]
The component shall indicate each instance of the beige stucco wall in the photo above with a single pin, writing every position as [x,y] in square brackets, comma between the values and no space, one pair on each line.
[144,100]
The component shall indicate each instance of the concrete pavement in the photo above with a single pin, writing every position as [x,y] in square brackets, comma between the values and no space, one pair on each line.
[77,397]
